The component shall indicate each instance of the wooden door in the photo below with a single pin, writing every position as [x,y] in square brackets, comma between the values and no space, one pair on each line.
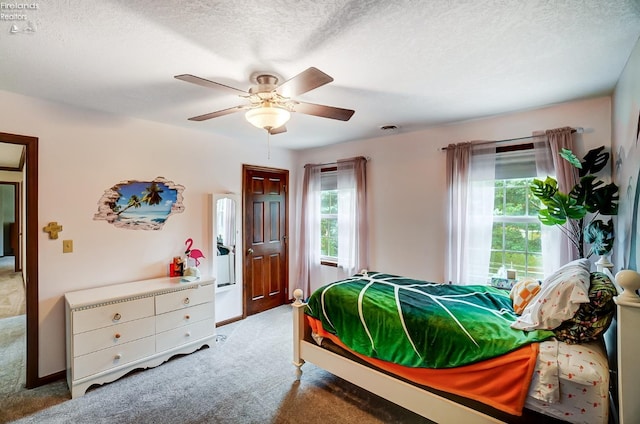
[266,268]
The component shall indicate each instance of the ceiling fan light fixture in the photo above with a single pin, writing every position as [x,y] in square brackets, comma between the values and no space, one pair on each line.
[268,117]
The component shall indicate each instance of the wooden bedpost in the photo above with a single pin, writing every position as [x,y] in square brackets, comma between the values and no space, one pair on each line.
[628,346]
[298,330]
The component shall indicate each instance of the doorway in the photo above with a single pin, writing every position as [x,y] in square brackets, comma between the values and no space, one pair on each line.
[10,220]
[265,232]
[28,244]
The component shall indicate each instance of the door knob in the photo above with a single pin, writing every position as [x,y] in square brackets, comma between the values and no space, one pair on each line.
[250,251]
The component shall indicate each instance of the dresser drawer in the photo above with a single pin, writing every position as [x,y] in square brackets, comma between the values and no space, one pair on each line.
[184,298]
[182,335]
[114,335]
[105,359]
[184,316]
[116,313]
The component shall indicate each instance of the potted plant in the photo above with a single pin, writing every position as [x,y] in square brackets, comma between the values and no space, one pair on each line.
[588,196]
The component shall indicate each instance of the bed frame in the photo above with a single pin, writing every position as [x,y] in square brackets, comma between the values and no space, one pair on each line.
[440,409]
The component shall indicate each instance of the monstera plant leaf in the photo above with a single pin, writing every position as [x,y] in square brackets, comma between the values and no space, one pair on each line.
[568,155]
[600,236]
[558,207]
[584,189]
[544,189]
[604,200]
[594,161]
[588,195]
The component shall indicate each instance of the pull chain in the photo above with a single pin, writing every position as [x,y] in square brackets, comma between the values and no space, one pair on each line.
[268,144]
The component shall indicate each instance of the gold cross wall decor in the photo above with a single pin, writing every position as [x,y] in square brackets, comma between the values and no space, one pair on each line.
[53,229]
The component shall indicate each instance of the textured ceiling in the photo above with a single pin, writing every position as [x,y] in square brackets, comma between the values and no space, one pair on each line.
[412,64]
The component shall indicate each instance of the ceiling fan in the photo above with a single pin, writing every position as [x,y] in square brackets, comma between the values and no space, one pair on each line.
[270,105]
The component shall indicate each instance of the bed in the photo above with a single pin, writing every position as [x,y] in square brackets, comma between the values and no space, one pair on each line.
[561,379]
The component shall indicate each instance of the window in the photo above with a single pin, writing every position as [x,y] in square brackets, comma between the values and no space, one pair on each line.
[329,215]
[516,233]
[334,222]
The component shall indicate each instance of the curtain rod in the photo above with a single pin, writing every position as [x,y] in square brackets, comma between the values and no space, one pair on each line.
[578,130]
[367,158]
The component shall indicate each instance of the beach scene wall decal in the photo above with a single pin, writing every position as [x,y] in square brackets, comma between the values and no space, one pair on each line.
[140,205]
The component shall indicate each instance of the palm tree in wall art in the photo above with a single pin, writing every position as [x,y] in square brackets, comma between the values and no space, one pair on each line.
[150,196]
[140,205]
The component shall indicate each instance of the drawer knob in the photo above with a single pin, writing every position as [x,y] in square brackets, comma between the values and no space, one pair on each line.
[187,317]
[188,334]
[118,356]
[186,301]
[117,317]
[117,336]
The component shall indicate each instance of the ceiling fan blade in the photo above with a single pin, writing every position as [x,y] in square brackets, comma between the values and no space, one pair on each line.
[324,111]
[279,130]
[303,82]
[206,83]
[218,113]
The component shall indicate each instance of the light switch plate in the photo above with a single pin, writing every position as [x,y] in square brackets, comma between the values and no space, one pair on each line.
[67,246]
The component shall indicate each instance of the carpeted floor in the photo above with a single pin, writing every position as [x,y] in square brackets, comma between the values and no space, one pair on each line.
[12,294]
[12,354]
[247,377]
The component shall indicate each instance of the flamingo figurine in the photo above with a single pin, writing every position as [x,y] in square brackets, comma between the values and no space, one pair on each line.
[194,254]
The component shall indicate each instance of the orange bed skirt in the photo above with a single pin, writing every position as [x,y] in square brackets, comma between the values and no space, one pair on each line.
[501,382]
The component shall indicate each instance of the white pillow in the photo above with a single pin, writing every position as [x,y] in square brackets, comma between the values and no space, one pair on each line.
[558,299]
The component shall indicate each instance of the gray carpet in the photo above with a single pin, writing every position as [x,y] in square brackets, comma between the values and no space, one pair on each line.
[12,354]
[246,378]
[12,293]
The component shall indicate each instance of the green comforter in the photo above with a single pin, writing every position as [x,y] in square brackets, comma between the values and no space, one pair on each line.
[419,324]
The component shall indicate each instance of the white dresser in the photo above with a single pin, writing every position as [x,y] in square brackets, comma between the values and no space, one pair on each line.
[112,330]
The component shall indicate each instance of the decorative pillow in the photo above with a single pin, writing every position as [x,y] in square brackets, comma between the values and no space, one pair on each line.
[558,299]
[522,292]
[593,318]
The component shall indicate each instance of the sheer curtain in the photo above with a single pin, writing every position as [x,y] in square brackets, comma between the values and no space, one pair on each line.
[557,248]
[457,169]
[550,236]
[470,184]
[353,242]
[566,175]
[309,248]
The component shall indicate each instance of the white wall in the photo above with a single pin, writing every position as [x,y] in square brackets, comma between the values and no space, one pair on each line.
[83,153]
[626,149]
[406,179]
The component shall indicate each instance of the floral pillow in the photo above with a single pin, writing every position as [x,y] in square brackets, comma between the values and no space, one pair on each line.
[560,296]
[593,318]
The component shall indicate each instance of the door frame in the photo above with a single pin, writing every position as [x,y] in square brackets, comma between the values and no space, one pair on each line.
[285,173]
[30,265]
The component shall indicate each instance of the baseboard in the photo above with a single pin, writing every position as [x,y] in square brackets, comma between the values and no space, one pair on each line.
[229,321]
[41,381]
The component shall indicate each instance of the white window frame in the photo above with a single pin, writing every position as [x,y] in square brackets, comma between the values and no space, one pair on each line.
[329,178]
[517,219]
